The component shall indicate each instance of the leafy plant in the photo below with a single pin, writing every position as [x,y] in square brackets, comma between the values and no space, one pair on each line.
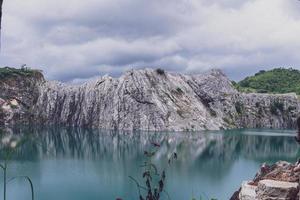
[155,179]
[9,144]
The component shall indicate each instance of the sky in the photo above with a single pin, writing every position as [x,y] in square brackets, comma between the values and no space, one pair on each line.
[74,40]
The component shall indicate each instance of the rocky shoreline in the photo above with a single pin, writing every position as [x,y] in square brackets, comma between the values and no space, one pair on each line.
[279,181]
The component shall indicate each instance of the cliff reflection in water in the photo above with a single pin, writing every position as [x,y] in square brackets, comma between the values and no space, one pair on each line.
[93,164]
[199,148]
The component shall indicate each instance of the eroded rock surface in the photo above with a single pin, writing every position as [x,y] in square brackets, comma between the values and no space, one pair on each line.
[145,100]
[279,181]
[281,190]
[247,191]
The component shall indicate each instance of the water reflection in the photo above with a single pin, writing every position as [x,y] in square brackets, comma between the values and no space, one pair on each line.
[224,147]
[113,156]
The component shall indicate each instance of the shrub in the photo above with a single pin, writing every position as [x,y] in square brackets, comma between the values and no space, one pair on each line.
[212,112]
[13,106]
[155,180]
[276,106]
[291,108]
[239,107]
[160,71]
[179,90]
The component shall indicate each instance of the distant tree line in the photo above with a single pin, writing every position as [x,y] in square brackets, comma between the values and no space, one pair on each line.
[278,80]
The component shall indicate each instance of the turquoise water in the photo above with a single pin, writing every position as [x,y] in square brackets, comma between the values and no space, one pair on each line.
[81,164]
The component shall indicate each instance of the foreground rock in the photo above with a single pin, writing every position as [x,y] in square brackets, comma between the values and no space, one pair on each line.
[144,100]
[279,181]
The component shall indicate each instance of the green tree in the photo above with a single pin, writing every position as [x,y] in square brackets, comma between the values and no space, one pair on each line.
[278,80]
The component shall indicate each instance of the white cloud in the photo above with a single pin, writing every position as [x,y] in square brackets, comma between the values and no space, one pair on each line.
[77,39]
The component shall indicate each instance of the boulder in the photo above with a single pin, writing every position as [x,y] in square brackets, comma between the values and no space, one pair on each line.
[281,190]
[278,181]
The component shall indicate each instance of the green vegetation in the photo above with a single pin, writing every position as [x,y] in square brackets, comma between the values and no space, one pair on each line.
[179,90]
[279,80]
[13,106]
[8,146]
[276,107]
[160,71]
[9,71]
[155,180]
[239,107]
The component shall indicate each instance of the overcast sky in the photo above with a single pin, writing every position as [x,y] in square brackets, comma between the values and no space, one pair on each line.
[78,39]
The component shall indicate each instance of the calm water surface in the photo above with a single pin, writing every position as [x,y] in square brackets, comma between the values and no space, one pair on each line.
[80,164]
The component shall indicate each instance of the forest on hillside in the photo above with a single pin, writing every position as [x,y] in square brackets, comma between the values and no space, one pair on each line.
[278,80]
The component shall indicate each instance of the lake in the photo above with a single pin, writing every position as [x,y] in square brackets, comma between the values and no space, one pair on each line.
[79,164]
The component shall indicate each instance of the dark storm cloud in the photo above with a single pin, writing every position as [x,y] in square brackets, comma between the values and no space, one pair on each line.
[76,40]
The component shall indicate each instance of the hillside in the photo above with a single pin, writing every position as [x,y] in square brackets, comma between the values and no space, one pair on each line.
[143,100]
[277,80]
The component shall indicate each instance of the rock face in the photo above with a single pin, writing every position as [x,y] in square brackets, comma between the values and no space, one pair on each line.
[268,189]
[279,181]
[247,191]
[17,97]
[145,100]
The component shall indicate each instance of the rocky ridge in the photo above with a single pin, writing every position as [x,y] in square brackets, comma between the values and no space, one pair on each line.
[144,100]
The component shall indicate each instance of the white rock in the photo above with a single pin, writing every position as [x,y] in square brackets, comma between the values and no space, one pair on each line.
[247,191]
[14,102]
[280,190]
[147,100]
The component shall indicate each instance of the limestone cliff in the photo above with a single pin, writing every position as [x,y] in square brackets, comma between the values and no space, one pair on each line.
[144,100]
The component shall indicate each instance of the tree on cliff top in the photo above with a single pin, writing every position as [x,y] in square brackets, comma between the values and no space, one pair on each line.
[278,80]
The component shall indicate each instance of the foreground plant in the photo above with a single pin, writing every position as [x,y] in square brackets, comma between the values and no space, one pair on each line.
[9,144]
[154,185]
